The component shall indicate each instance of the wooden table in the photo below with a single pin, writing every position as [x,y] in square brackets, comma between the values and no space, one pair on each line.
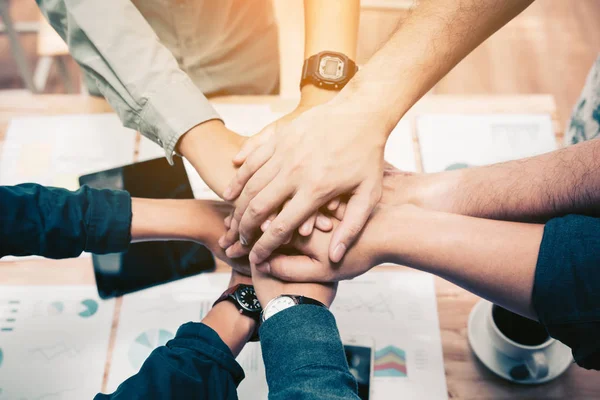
[466,377]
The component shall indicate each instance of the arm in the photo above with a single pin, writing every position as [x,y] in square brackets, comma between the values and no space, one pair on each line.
[302,350]
[549,273]
[532,189]
[199,360]
[330,25]
[57,223]
[142,81]
[326,152]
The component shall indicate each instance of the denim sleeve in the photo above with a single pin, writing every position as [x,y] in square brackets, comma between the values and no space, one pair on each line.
[304,356]
[196,364]
[57,223]
[566,292]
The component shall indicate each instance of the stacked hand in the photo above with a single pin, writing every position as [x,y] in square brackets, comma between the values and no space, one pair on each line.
[294,168]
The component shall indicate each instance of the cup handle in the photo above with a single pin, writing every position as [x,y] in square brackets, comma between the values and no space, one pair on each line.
[537,364]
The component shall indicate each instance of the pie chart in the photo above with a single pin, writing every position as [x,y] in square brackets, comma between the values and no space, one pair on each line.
[88,307]
[143,345]
[56,308]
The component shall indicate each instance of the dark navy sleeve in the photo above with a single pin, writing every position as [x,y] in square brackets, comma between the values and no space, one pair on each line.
[196,364]
[57,223]
[304,356]
[566,292]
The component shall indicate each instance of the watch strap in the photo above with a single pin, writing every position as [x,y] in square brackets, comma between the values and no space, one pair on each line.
[228,295]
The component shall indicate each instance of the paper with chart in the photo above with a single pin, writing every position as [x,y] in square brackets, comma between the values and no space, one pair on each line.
[399,149]
[53,342]
[244,119]
[151,317]
[56,150]
[396,310]
[459,141]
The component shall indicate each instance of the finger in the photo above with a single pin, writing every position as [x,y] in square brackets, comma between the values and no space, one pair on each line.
[333,204]
[298,209]
[231,236]
[237,250]
[227,220]
[262,206]
[340,211]
[252,143]
[295,269]
[252,164]
[323,223]
[307,227]
[357,213]
[265,225]
[263,178]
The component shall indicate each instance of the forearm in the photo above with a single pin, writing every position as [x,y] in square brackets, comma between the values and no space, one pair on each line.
[57,223]
[329,25]
[494,259]
[532,189]
[430,42]
[234,329]
[137,74]
[164,219]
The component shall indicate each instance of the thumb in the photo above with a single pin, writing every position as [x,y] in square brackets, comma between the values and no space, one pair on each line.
[356,214]
[295,269]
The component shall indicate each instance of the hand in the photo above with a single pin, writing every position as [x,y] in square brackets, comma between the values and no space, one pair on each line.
[210,216]
[268,287]
[324,153]
[318,219]
[314,265]
[209,147]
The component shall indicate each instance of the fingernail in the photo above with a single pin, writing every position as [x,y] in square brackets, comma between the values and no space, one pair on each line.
[264,267]
[222,241]
[253,258]
[227,193]
[338,252]
[265,225]
[229,252]
[243,241]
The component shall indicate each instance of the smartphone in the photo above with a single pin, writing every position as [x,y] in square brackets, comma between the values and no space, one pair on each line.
[151,263]
[360,356]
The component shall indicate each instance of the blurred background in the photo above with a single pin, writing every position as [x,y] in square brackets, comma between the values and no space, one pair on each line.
[547,49]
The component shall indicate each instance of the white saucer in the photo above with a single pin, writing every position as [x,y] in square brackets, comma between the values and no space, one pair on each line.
[558,355]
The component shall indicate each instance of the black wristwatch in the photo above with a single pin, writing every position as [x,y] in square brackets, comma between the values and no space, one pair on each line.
[244,298]
[328,70]
[286,301]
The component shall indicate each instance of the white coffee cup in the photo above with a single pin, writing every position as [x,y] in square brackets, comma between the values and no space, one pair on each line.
[533,357]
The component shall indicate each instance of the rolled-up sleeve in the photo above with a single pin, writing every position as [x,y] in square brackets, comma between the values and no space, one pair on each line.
[566,292]
[57,223]
[138,75]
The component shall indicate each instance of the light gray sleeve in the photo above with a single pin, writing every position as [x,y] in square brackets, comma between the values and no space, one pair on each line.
[139,76]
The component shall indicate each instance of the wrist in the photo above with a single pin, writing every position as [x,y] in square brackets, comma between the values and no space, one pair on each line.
[311,96]
[234,328]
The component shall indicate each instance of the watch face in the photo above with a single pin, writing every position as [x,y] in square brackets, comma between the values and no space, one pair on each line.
[246,297]
[331,67]
[278,304]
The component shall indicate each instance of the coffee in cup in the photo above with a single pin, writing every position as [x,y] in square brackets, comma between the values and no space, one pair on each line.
[519,329]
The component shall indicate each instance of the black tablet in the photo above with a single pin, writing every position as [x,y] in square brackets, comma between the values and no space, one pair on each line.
[150,263]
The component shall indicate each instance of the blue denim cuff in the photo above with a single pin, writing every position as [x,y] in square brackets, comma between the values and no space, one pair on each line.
[107,220]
